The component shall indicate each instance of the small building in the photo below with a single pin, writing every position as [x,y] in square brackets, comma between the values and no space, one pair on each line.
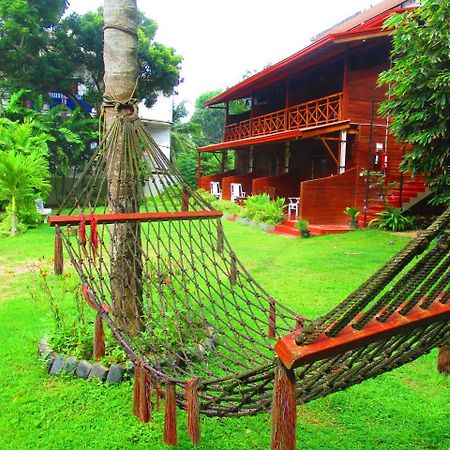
[309,127]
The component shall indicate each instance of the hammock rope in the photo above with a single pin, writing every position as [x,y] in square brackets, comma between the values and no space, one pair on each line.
[161,274]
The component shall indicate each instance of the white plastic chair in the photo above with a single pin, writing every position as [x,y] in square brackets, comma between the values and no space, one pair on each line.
[40,209]
[236,191]
[293,205]
[215,189]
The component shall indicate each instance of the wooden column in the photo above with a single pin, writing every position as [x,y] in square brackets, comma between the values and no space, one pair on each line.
[58,257]
[342,151]
[199,169]
[284,409]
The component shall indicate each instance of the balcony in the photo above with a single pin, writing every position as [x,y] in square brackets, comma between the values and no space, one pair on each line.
[322,111]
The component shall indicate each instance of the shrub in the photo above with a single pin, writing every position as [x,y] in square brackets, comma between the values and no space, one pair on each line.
[226,206]
[260,208]
[391,219]
[205,195]
[352,212]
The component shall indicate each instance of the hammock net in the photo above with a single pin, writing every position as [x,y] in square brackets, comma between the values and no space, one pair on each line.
[155,264]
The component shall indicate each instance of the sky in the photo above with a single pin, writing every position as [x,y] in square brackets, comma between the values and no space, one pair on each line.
[221,40]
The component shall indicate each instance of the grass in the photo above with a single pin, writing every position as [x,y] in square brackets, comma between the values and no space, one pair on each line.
[404,409]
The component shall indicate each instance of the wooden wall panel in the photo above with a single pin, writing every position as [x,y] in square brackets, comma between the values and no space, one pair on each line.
[324,200]
[285,185]
[246,181]
[206,180]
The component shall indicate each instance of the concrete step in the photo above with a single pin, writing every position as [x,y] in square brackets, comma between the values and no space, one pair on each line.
[286,230]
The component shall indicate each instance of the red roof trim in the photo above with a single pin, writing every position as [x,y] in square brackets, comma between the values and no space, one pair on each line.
[243,88]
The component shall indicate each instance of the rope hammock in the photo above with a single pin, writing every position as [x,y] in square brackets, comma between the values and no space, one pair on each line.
[155,264]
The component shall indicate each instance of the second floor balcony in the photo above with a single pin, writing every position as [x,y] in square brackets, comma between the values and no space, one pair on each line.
[321,111]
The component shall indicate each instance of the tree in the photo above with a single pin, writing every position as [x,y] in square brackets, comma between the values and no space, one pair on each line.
[67,134]
[183,135]
[42,51]
[32,55]
[419,92]
[24,169]
[210,120]
[121,70]
[23,177]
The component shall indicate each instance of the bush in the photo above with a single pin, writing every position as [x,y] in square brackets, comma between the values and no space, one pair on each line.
[391,219]
[205,195]
[226,206]
[259,208]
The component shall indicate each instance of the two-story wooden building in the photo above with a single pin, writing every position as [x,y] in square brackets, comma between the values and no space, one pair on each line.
[311,129]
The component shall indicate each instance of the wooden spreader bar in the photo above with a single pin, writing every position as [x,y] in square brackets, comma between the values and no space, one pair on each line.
[135,217]
[294,355]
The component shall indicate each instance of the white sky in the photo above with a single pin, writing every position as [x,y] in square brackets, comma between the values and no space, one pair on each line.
[220,40]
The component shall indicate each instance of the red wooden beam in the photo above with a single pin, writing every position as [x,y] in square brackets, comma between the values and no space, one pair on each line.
[135,217]
[293,355]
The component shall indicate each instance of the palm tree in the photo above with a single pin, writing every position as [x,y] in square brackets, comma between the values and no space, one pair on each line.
[183,135]
[22,177]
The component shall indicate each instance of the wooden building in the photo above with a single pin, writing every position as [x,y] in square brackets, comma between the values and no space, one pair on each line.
[310,127]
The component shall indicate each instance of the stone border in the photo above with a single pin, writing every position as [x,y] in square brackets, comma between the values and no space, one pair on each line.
[56,364]
[264,226]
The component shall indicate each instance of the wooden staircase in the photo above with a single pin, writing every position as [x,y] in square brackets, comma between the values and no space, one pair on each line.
[411,192]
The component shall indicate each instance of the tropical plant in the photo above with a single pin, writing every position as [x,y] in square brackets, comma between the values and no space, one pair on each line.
[23,137]
[418,95]
[226,206]
[67,134]
[352,212]
[302,225]
[260,208]
[23,177]
[391,219]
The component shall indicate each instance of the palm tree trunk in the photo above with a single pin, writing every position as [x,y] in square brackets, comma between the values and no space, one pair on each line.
[13,216]
[120,56]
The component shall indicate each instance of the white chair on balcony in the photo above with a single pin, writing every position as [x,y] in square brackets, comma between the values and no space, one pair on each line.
[215,189]
[236,192]
[293,205]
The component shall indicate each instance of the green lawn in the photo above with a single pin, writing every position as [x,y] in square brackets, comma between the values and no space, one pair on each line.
[405,409]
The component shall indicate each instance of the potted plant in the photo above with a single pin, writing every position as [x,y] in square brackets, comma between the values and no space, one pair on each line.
[353,213]
[303,227]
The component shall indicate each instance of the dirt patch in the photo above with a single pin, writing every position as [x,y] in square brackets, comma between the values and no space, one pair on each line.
[26,267]
[410,234]
[8,274]
[315,417]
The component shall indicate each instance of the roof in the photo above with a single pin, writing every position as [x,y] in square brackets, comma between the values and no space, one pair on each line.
[367,24]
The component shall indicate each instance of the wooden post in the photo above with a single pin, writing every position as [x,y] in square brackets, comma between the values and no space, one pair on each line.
[284,409]
[199,169]
[58,264]
[342,151]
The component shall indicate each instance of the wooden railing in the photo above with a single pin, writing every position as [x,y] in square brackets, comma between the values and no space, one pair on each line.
[309,114]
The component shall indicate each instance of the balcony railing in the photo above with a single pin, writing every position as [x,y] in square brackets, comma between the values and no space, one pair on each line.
[310,114]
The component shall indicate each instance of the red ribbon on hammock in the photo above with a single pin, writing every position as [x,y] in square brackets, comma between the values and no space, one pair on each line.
[82,230]
[86,290]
